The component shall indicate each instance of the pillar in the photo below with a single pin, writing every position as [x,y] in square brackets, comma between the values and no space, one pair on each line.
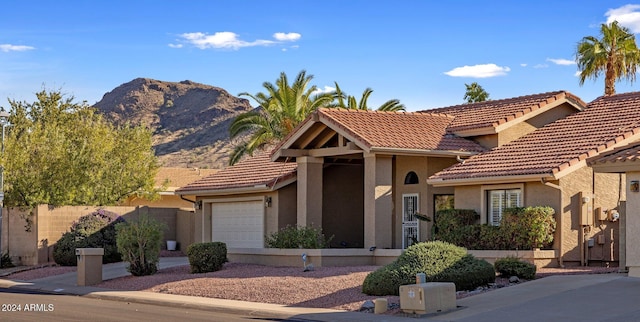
[378,202]
[309,178]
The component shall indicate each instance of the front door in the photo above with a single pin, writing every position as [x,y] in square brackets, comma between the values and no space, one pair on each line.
[410,231]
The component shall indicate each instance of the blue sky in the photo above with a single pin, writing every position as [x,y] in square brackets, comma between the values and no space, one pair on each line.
[415,51]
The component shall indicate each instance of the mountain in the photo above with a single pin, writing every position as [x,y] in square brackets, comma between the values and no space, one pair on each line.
[190,121]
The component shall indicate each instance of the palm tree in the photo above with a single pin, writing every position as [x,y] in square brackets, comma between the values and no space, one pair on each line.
[615,54]
[343,100]
[475,93]
[281,108]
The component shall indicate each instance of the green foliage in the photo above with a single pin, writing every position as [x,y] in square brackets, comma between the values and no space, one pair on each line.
[6,261]
[342,100]
[520,228]
[615,55]
[207,257]
[95,230]
[282,107]
[298,237]
[63,153]
[512,266]
[139,242]
[440,261]
[475,93]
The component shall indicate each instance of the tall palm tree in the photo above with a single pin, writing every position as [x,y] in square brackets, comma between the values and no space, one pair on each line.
[615,54]
[343,100]
[475,93]
[281,108]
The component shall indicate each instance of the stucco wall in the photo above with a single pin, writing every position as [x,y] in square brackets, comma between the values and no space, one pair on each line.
[342,205]
[165,201]
[404,165]
[633,227]
[34,245]
[287,206]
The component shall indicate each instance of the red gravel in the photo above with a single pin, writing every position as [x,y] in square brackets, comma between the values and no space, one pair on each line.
[325,287]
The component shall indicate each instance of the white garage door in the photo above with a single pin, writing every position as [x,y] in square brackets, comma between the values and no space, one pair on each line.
[238,224]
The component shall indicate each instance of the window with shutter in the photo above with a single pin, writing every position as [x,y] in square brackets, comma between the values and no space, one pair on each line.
[499,200]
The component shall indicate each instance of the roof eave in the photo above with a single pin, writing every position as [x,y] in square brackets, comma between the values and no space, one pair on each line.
[226,191]
[421,152]
[490,180]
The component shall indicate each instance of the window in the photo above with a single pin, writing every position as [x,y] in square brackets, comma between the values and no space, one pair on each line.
[498,201]
[411,178]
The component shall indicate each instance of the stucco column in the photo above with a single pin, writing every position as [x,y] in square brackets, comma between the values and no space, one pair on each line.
[633,227]
[309,175]
[378,202]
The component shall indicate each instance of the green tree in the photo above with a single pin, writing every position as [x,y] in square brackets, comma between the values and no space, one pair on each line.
[475,93]
[343,100]
[63,153]
[281,108]
[615,54]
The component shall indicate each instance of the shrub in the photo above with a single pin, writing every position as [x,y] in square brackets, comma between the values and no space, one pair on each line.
[207,257]
[512,266]
[139,242]
[520,228]
[440,261]
[530,227]
[298,237]
[6,261]
[95,230]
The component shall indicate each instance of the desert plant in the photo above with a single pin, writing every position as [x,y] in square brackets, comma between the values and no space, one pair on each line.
[207,257]
[95,230]
[298,237]
[440,261]
[139,242]
[6,261]
[529,227]
[513,266]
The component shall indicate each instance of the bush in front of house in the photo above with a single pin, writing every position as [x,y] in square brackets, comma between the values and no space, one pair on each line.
[139,241]
[439,261]
[6,261]
[95,230]
[512,266]
[298,237]
[520,228]
[207,257]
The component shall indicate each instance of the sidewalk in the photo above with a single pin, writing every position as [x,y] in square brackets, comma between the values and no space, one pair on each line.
[595,297]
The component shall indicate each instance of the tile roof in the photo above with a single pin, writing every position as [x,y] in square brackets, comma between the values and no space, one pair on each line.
[496,112]
[178,177]
[396,130]
[251,172]
[605,123]
[629,153]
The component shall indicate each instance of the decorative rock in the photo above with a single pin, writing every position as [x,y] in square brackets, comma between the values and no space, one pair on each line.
[514,279]
[367,306]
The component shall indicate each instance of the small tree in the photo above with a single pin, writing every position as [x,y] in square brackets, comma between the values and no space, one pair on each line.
[139,242]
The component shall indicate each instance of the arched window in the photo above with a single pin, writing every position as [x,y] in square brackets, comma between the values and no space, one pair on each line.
[411,178]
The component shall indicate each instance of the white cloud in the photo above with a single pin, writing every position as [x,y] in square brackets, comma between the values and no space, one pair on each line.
[326,89]
[292,36]
[479,71]
[176,45]
[627,15]
[561,61]
[523,65]
[577,74]
[8,47]
[538,66]
[230,40]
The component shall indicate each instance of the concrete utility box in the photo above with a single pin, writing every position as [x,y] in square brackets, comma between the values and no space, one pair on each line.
[425,298]
[89,265]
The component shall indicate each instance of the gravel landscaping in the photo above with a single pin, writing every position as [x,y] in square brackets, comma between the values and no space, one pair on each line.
[325,287]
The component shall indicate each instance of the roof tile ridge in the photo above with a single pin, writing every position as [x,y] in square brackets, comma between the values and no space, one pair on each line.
[447,115]
[338,124]
[534,107]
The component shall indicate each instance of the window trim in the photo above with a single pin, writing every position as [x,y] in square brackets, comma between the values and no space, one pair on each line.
[484,196]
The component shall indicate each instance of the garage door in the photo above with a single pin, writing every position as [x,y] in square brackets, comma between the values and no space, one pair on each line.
[238,224]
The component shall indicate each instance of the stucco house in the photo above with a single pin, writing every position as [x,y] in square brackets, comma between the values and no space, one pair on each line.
[362,175]
[549,167]
[625,162]
[168,179]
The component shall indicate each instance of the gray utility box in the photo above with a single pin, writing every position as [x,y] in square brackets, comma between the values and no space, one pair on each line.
[89,265]
[426,298]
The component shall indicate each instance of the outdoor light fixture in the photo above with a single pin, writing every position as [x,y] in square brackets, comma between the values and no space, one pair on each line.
[267,202]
